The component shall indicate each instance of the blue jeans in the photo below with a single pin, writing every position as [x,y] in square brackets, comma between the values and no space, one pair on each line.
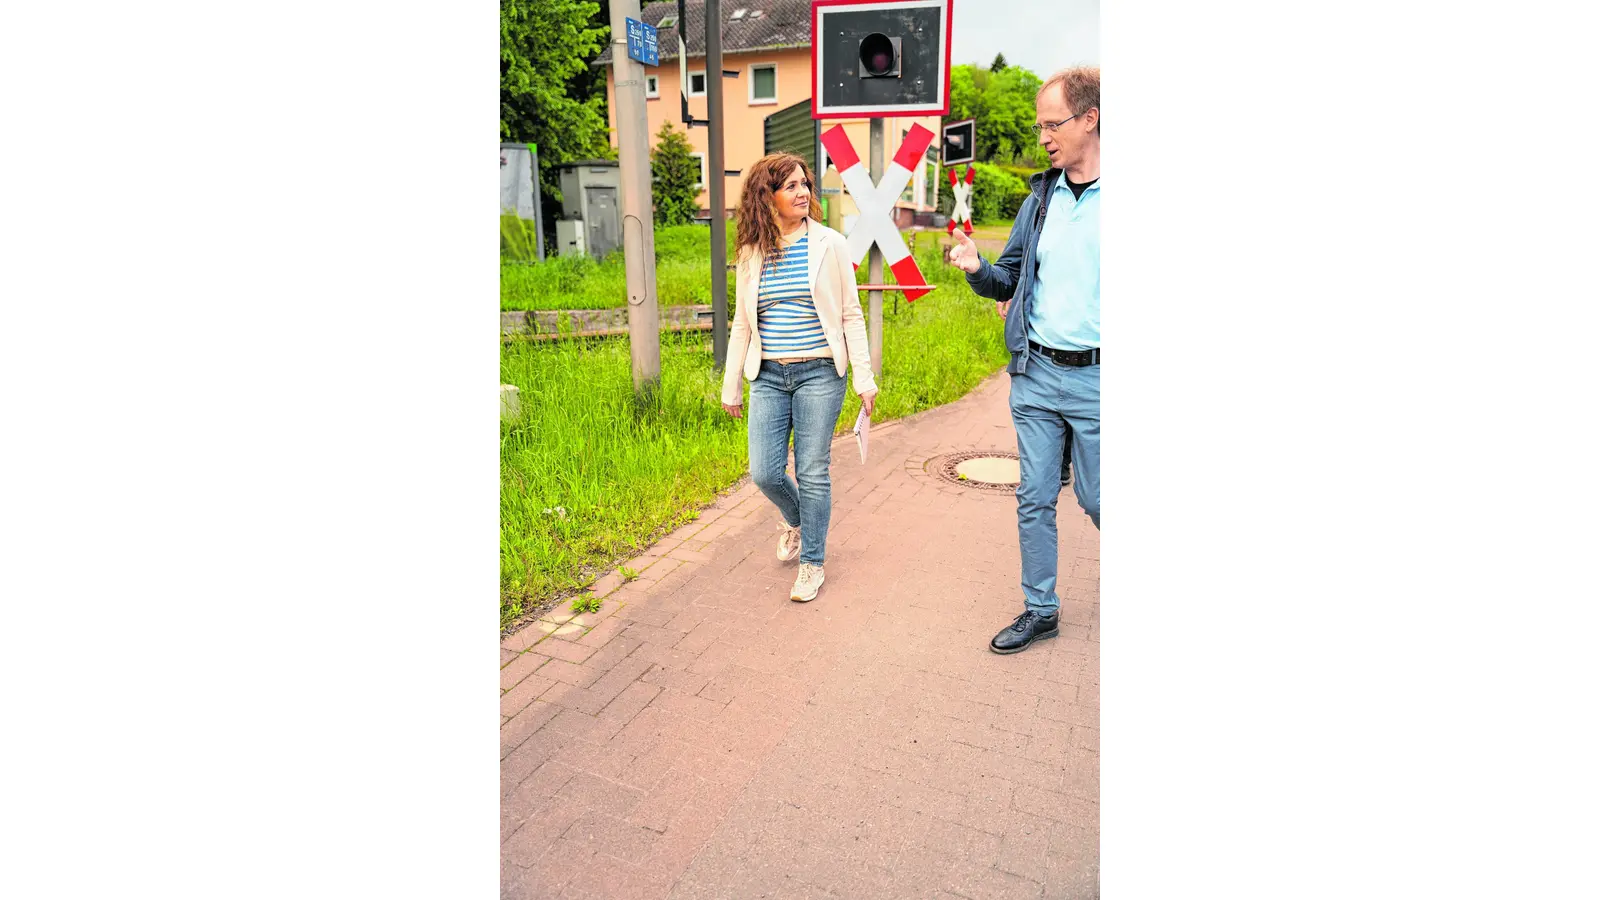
[1052,404]
[803,398]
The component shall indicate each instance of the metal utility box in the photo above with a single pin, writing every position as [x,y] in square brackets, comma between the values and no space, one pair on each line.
[518,179]
[569,237]
[520,195]
[591,193]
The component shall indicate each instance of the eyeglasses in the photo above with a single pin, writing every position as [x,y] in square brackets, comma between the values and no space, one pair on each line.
[1039,129]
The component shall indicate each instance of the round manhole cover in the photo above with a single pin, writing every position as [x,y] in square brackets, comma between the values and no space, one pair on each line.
[986,470]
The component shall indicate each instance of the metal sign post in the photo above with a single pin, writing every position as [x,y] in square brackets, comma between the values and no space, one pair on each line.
[683,65]
[875,258]
[718,186]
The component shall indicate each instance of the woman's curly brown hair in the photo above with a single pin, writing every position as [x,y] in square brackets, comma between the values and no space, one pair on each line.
[758,230]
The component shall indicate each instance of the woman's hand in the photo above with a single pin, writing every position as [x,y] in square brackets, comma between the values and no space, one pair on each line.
[868,401]
[736,410]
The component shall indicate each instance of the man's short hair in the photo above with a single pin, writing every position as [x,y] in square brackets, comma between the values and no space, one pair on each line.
[1080,85]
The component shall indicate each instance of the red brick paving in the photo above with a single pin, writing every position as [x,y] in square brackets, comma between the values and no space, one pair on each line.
[701,736]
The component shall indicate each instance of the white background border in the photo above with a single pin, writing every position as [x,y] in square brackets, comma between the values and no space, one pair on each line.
[251,481]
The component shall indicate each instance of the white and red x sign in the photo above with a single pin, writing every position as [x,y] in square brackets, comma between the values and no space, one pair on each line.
[875,202]
[962,212]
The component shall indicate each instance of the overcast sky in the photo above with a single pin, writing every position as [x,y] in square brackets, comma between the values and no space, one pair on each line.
[1043,35]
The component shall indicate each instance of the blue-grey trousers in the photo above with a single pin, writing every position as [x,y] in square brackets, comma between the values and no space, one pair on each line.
[1052,404]
[802,398]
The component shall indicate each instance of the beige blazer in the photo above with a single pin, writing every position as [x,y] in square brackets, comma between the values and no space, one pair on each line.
[833,293]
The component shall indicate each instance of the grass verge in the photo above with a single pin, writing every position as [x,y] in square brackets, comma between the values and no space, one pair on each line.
[683,258]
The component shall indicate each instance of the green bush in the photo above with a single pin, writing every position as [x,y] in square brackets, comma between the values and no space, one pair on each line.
[1014,200]
[1021,171]
[675,173]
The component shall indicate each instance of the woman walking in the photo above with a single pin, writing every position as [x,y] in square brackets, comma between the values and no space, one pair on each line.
[797,324]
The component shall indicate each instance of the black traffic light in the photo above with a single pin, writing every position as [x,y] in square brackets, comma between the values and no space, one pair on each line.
[880,56]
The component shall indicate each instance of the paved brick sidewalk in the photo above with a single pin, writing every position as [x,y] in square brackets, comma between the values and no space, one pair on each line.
[702,736]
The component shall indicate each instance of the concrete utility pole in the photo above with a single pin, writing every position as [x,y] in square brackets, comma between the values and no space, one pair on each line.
[638,220]
[875,257]
[718,185]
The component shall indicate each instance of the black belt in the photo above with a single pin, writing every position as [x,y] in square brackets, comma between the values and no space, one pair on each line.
[1069,357]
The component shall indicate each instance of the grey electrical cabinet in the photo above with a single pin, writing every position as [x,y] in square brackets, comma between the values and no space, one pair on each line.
[569,237]
[591,193]
[517,181]
[519,188]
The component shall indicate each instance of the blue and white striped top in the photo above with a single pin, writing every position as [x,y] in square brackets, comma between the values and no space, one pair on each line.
[785,316]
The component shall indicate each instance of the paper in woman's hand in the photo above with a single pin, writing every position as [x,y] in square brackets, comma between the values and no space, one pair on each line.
[863,427]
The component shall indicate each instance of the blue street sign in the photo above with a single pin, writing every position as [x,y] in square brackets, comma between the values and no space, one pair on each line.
[642,44]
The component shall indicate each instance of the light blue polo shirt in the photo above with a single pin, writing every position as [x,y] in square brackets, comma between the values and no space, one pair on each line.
[1065,308]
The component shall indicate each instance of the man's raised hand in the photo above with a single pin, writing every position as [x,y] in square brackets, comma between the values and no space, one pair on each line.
[964,255]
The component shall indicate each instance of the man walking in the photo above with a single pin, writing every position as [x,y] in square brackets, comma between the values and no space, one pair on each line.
[1047,284]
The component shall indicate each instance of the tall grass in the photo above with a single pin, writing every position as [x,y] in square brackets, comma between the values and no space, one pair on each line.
[622,472]
[683,275]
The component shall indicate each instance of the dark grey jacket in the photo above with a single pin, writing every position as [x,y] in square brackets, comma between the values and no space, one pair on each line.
[1011,276]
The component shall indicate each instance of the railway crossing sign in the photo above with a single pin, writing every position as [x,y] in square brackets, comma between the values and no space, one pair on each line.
[875,202]
[962,214]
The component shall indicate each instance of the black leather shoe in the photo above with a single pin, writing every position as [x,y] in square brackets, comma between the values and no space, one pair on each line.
[1029,627]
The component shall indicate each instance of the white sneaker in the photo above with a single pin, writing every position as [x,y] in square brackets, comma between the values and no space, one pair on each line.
[788,542]
[805,587]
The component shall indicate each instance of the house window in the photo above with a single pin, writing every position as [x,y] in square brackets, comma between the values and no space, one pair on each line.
[697,83]
[763,84]
[652,87]
[701,159]
[667,22]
